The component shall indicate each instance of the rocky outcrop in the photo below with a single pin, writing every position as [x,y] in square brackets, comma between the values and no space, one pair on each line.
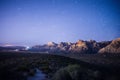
[79,47]
[86,47]
[51,44]
[113,47]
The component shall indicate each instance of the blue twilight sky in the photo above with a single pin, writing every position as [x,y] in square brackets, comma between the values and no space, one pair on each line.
[32,22]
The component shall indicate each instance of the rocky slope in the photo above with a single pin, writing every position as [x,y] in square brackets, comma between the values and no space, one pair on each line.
[113,47]
[81,46]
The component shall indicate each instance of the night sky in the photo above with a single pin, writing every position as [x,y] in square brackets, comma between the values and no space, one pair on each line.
[31,22]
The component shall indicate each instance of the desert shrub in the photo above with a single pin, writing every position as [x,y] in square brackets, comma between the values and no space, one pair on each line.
[76,72]
[94,75]
[23,68]
[62,74]
[45,69]
[71,72]
[32,72]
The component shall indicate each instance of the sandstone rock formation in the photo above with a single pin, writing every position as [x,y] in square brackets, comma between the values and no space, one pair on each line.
[113,47]
[85,47]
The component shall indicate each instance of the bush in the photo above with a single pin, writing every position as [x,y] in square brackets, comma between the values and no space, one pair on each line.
[62,74]
[75,72]
[72,72]
[23,68]
[32,72]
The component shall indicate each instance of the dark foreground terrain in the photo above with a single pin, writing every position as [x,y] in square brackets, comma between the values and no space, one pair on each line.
[19,66]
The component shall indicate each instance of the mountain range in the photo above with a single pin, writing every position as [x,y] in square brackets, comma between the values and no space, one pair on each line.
[81,46]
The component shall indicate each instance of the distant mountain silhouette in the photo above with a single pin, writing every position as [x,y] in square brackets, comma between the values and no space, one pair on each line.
[81,46]
[12,48]
[113,47]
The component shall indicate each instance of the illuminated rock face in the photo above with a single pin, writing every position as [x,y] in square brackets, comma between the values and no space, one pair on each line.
[116,43]
[113,47]
[81,47]
[78,47]
[51,44]
[80,43]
